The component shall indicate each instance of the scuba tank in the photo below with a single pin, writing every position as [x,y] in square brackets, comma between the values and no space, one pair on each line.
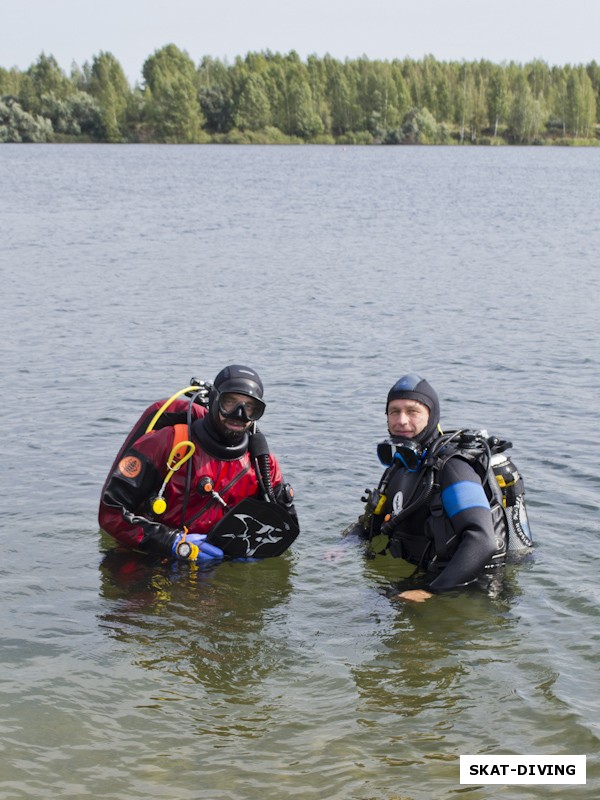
[513,501]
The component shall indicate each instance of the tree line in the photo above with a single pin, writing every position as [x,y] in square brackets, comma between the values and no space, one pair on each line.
[279,98]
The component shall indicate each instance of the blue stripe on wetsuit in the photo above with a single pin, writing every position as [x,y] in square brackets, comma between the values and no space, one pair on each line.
[463,495]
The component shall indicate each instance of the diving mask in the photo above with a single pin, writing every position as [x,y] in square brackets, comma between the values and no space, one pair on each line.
[250,409]
[407,452]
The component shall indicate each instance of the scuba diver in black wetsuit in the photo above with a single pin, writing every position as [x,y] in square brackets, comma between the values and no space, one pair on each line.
[441,503]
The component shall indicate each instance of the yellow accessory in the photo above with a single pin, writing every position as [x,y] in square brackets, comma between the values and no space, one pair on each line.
[187,549]
[380,505]
[174,462]
[166,404]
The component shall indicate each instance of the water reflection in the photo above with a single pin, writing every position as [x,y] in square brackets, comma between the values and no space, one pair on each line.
[430,648]
[203,625]
[442,680]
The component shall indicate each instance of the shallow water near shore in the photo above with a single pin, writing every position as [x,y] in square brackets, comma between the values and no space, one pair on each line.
[129,269]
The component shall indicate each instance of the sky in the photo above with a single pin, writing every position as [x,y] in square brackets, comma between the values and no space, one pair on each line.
[556,31]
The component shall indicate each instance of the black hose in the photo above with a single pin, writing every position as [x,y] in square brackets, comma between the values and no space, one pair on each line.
[390,526]
[188,474]
[259,452]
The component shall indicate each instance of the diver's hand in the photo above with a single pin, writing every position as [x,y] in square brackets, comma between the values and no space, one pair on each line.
[194,547]
[335,554]
[416,595]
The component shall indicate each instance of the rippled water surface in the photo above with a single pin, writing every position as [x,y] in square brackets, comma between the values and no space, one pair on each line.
[332,271]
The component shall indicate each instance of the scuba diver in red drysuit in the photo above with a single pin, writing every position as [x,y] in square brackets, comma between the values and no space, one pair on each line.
[171,488]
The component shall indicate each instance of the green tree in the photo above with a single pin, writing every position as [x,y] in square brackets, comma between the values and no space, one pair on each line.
[288,87]
[539,77]
[497,97]
[443,94]
[593,71]
[10,82]
[527,114]
[376,95]
[341,101]
[272,71]
[303,118]
[253,109]
[172,108]
[403,103]
[18,125]
[45,78]
[75,115]
[216,95]
[479,110]
[110,88]
[580,109]
[420,127]
[464,104]
[430,69]
[317,79]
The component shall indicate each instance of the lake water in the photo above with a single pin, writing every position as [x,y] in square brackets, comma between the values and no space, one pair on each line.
[126,270]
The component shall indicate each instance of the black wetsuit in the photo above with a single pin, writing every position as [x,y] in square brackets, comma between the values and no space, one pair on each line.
[461,543]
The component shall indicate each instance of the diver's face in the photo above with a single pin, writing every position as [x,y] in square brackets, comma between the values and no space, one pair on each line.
[407,418]
[230,402]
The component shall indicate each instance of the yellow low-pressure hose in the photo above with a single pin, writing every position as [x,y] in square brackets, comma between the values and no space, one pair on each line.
[173,463]
[166,404]
[159,505]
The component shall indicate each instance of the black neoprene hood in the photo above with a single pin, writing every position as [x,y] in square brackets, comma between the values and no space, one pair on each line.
[414,387]
[239,379]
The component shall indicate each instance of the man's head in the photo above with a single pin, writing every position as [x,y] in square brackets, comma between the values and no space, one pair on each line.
[412,409]
[235,401]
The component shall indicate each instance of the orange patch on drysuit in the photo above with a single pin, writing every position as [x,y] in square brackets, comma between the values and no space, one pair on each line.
[130,466]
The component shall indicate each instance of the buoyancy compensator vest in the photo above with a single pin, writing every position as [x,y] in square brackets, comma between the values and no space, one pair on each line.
[184,407]
[501,480]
